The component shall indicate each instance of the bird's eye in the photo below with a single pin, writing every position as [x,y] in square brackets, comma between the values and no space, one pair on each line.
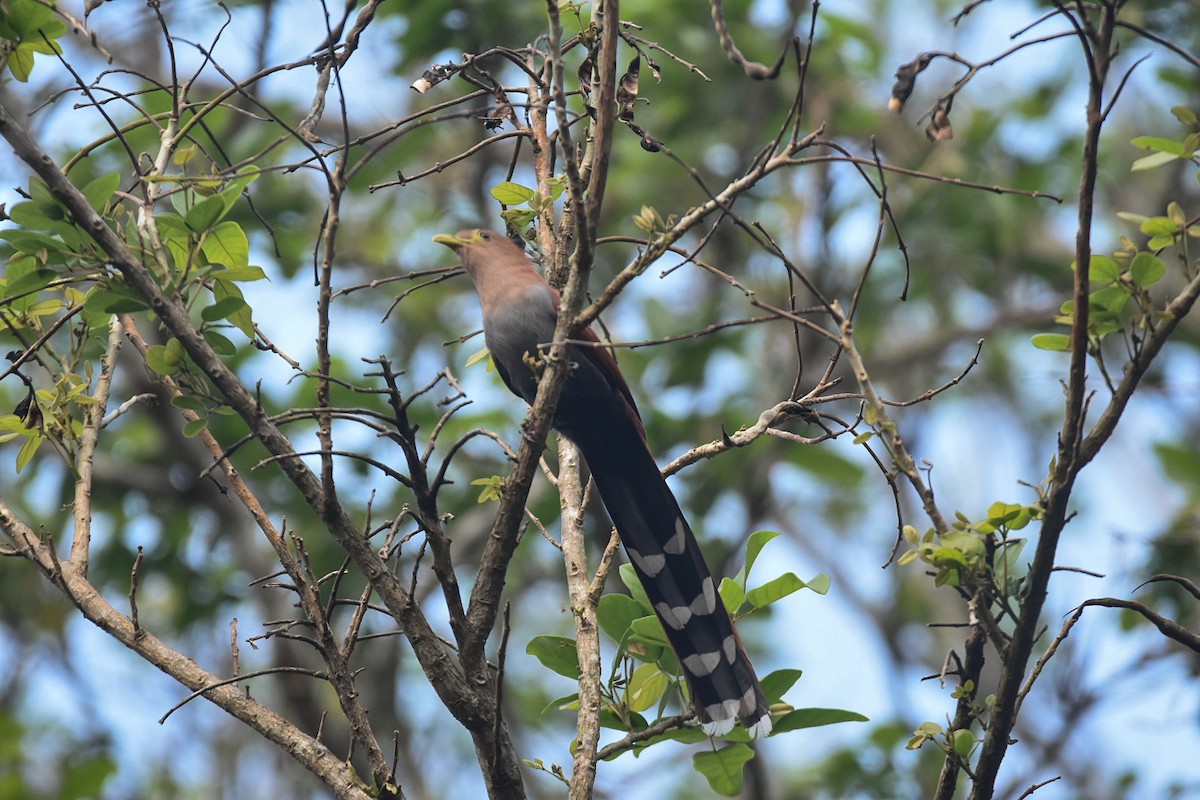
[485,235]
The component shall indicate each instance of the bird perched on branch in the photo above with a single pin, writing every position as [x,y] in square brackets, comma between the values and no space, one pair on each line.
[596,411]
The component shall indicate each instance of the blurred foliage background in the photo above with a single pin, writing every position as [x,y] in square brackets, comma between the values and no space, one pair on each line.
[1116,715]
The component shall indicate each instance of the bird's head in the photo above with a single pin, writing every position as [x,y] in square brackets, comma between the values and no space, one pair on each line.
[481,249]
[467,238]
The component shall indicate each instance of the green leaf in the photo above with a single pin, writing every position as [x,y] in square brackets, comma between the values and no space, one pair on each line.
[964,742]
[568,702]
[30,215]
[491,489]
[616,612]
[204,214]
[99,191]
[232,191]
[40,193]
[1060,342]
[27,17]
[1001,513]
[220,344]
[193,427]
[967,543]
[723,768]
[512,194]
[117,300]
[819,583]
[177,238]
[20,64]
[609,719]
[241,318]
[650,630]
[1159,226]
[1158,144]
[223,308]
[634,585]
[754,545]
[185,154]
[947,556]
[25,279]
[776,685]
[872,414]
[1185,115]
[1153,161]
[732,594]
[775,589]
[163,359]
[646,687]
[556,185]
[189,403]
[1129,216]
[227,244]
[557,653]
[32,442]
[925,732]
[692,735]
[43,308]
[240,274]
[814,717]
[518,218]
[1103,269]
[1111,299]
[477,356]
[1147,269]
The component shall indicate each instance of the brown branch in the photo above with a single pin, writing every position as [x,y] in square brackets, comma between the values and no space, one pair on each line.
[93,422]
[636,737]
[752,69]
[587,632]
[1190,587]
[306,750]
[339,673]
[1070,457]
[966,710]
[1168,627]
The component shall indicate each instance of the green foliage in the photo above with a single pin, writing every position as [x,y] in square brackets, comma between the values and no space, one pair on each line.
[524,205]
[961,742]
[801,718]
[491,488]
[1166,151]
[722,768]
[28,27]
[1119,299]
[557,653]
[652,222]
[975,553]
[52,276]
[12,427]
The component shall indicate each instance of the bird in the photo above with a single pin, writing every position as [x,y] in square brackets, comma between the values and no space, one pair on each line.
[597,412]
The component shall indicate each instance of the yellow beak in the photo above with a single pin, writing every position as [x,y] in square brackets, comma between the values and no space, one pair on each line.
[449,240]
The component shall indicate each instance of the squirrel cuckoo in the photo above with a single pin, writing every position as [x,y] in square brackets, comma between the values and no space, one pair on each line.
[596,411]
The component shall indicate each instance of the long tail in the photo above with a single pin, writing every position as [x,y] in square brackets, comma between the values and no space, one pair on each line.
[671,567]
